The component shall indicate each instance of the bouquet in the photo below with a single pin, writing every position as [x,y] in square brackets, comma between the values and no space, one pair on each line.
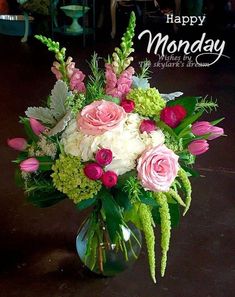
[114,144]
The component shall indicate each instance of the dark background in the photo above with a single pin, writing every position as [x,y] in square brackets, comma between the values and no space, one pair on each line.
[37,246]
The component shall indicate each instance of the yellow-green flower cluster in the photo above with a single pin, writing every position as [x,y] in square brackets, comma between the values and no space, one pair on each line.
[69,178]
[148,102]
[176,145]
[187,188]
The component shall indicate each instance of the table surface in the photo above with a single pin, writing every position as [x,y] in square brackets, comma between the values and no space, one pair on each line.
[37,250]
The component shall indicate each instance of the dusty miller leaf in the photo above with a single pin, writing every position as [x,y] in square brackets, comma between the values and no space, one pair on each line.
[42,114]
[171,96]
[61,125]
[59,95]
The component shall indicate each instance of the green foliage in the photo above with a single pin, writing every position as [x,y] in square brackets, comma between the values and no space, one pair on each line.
[187,188]
[165,228]
[186,122]
[121,59]
[189,103]
[86,203]
[207,105]
[95,88]
[28,130]
[144,70]
[175,196]
[75,102]
[217,121]
[146,220]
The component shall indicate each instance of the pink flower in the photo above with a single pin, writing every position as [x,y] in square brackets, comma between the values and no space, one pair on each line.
[29,165]
[201,128]
[99,117]
[118,87]
[147,126]
[215,132]
[18,144]
[157,168]
[198,147]
[93,171]
[104,157]
[76,81]
[70,69]
[109,179]
[128,105]
[55,69]
[36,126]
[173,115]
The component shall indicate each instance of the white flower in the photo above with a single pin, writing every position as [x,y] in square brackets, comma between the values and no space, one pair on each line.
[126,143]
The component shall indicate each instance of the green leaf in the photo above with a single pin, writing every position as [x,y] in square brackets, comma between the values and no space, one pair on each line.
[45,163]
[174,213]
[147,198]
[86,203]
[189,103]
[112,214]
[28,130]
[45,199]
[124,177]
[18,178]
[168,129]
[122,199]
[217,121]
[191,171]
[186,122]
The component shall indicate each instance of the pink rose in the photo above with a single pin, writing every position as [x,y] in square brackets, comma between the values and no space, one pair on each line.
[93,171]
[104,157]
[18,143]
[128,105]
[99,117]
[29,165]
[198,147]
[109,179]
[157,168]
[147,126]
[76,81]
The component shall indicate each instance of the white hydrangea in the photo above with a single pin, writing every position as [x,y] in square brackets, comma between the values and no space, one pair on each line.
[126,143]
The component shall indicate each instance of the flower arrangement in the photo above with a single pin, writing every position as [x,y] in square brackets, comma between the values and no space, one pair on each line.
[113,143]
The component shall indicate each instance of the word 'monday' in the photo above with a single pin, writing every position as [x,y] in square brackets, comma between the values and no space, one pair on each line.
[200,47]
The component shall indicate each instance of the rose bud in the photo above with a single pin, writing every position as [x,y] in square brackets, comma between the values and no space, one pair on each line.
[198,147]
[147,126]
[93,171]
[109,179]
[104,157]
[29,165]
[128,105]
[36,126]
[215,132]
[173,115]
[18,144]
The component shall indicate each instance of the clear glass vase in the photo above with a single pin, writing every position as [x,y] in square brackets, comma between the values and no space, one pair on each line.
[103,257]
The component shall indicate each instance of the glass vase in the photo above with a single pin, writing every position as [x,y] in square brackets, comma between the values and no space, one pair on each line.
[103,257]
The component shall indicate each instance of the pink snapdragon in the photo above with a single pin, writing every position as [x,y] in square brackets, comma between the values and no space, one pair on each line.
[118,86]
[29,165]
[36,126]
[198,147]
[93,171]
[76,81]
[203,127]
[18,143]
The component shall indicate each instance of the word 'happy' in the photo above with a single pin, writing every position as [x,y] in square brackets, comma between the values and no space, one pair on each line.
[202,47]
[186,20]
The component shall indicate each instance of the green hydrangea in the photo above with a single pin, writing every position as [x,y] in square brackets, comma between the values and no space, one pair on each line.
[148,102]
[176,145]
[69,178]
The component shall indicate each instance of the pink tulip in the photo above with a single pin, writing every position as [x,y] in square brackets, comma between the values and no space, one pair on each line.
[215,132]
[93,171]
[147,126]
[109,179]
[36,126]
[201,128]
[198,147]
[29,165]
[18,144]
[104,157]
